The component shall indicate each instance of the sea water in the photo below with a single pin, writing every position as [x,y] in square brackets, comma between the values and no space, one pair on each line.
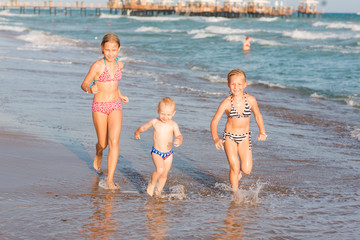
[304,73]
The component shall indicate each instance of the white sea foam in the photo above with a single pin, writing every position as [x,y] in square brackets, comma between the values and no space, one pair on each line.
[306,35]
[7,13]
[215,19]
[267,42]
[339,25]
[156,30]
[234,38]
[214,78]
[268,19]
[211,31]
[12,28]
[269,84]
[200,91]
[353,101]
[37,60]
[44,40]
[318,96]
[112,16]
[355,132]
[204,35]
[337,49]
[157,18]
[227,30]
[176,193]
[243,196]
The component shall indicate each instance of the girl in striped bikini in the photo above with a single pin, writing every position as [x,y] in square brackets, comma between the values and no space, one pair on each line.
[236,137]
[107,104]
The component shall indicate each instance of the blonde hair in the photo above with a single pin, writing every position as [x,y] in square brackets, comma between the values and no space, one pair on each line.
[235,72]
[109,37]
[167,102]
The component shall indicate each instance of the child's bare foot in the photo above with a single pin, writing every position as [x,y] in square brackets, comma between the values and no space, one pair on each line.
[150,189]
[157,194]
[112,186]
[97,163]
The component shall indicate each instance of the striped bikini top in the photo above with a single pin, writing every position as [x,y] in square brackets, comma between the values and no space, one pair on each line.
[235,114]
[105,75]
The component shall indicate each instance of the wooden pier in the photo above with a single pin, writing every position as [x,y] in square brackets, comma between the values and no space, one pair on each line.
[206,8]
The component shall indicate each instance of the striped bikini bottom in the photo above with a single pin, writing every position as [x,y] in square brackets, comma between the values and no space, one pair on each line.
[237,137]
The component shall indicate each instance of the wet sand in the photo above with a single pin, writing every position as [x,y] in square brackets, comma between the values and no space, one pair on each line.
[29,161]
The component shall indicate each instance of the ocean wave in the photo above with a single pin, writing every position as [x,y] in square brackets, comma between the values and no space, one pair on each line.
[12,28]
[352,100]
[157,18]
[156,30]
[241,38]
[45,40]
[339,25]
[355,132]
[268,19]
[221,30]
[214,78]
[199,91]
[337,49]
[215,19]
[235,38]
[2,20]
[7,13]
[306,35]
[204,35]
[111,16]
[269,84]
[227,30]
[37,60]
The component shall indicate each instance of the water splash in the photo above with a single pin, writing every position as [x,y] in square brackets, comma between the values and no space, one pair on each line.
[244,196]
[176,193]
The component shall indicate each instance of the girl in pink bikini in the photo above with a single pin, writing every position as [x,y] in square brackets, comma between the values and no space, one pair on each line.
[102,81]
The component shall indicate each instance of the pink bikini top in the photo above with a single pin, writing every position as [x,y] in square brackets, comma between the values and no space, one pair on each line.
[105,75]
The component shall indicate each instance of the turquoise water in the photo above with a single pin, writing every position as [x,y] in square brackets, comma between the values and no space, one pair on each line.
[304,72]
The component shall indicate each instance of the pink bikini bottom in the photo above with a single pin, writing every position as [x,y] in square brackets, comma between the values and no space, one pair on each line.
[107,107]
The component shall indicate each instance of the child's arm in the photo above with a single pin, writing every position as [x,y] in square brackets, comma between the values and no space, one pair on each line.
[89,78]
[123,98]
[178,137]
[258,117]
[214,123]
[143,128]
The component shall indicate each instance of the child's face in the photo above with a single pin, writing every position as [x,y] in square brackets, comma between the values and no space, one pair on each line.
[111,50]
[237,84]
[166,113]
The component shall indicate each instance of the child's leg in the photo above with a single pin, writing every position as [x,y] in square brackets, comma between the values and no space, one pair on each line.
[162,179]
[114,130]
[232,156]
[160,169]
[100,123]
[245,155]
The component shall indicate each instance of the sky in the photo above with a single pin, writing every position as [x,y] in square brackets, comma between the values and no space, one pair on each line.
[330,6]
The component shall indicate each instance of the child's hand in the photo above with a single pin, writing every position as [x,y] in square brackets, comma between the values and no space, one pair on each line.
[124,99]
[178,141]
[262,137]
[219,144]
[137,135]
[94,89]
